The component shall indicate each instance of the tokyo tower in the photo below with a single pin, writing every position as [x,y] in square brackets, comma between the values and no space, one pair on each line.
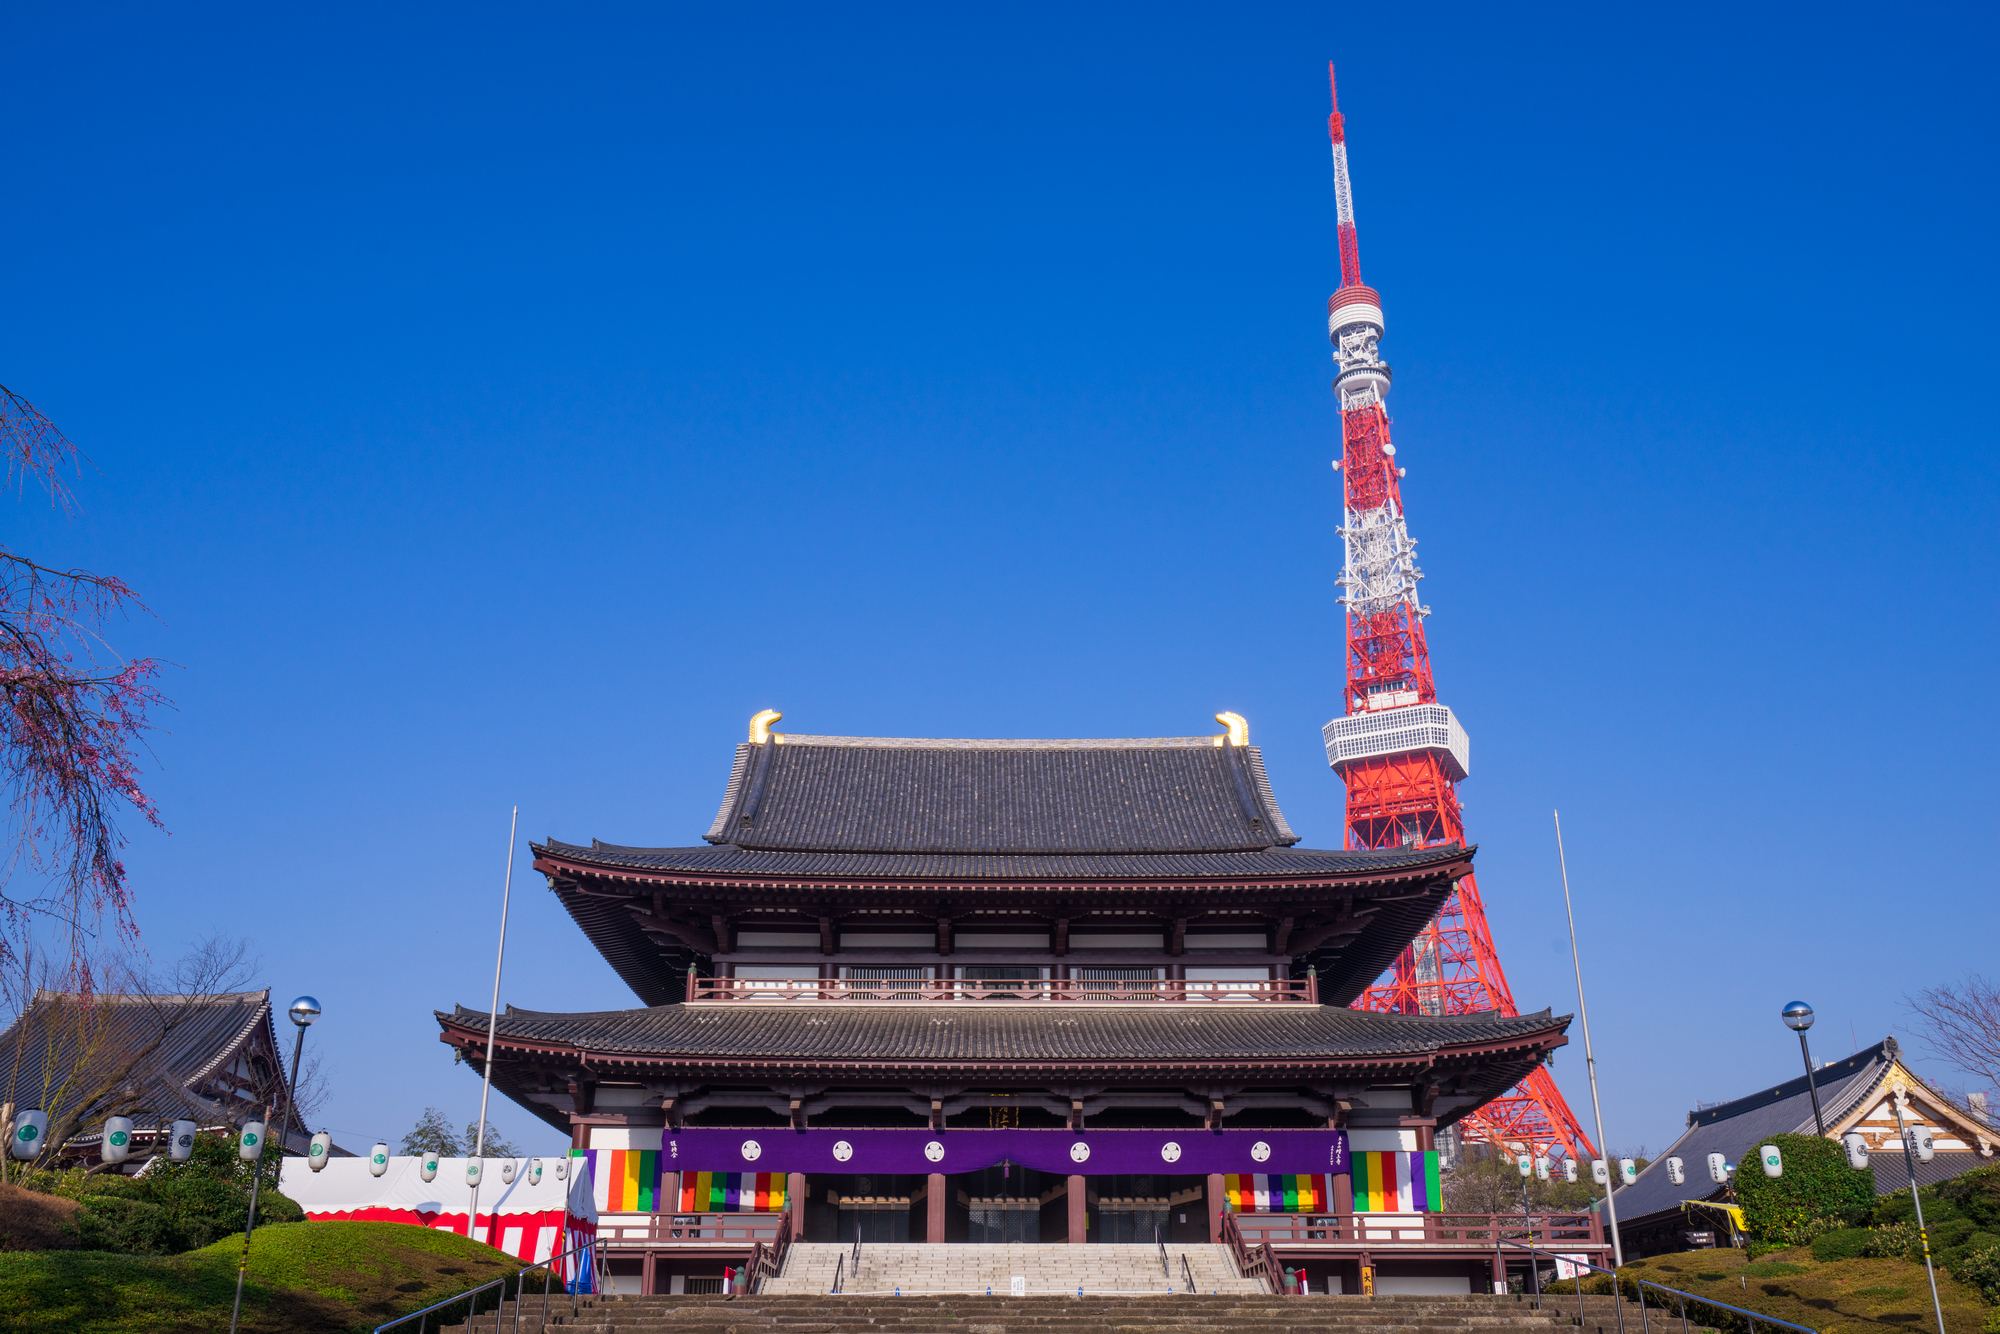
[1400,752]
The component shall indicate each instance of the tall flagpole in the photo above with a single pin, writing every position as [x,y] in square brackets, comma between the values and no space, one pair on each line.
[1589,1056]
[492,1023]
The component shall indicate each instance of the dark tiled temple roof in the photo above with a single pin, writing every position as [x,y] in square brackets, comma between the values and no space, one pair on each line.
[896,795]
[877,1033]
[143,1056]
[1736,1127]
[728,860]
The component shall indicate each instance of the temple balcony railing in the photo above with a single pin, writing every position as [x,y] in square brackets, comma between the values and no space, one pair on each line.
[1027,990]
[1387,1232]
[735,1231]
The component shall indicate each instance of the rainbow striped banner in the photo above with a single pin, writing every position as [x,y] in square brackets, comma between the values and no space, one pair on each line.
[732,1192]
[624,1180]
[1390,1181]
[1274,1193]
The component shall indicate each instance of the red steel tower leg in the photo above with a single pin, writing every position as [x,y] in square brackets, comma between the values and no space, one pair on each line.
[1400,752]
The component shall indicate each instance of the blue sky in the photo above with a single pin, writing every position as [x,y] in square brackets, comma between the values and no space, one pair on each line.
[501,405]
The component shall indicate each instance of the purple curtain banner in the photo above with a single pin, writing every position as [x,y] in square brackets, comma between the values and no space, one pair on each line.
[1063,1152]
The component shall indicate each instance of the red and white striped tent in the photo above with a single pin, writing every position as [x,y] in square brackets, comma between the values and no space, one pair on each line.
[529,1220]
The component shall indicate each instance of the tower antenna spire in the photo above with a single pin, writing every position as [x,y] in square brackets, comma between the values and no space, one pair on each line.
[1343,189]
[1400,751]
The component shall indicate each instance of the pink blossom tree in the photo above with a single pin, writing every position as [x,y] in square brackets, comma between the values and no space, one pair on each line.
[72,724]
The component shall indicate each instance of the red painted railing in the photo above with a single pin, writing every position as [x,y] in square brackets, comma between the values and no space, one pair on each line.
[1386,1231]
[744,1230]
[1254,1259]
[1284,991]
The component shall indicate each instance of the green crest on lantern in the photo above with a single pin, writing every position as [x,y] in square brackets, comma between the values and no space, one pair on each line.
[381,1158]
[250,1138]
[318,1150]
[29,1132]
[118,1138]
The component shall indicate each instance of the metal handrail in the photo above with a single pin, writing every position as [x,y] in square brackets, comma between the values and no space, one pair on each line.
[1618,1294]
[1187,1274]
[586,1248]
[1166,1270]
[839,1273]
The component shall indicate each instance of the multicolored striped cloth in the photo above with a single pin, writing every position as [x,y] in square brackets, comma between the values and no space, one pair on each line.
[1393,1182]
[624,1180]
[732,1192]
[1274,1193]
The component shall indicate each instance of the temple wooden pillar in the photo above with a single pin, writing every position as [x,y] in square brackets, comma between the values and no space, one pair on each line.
[795,1200]
[934,1197]
[1218,1202]
[669,1199]
[1079,1217]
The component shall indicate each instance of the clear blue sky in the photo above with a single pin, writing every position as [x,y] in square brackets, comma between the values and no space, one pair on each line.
[500,405]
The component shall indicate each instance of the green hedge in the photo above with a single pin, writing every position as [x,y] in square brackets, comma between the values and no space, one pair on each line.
[1818,1192]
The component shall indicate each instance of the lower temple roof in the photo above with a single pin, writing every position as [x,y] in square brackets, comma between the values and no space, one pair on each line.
[874,1035]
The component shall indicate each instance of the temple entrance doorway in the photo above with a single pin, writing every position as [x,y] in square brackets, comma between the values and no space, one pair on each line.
[877,1207]
[1005,1203]
[1128,1210]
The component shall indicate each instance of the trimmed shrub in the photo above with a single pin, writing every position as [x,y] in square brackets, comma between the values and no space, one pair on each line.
[33,1221]
[116,1223]
[1843,1243]
[1893,1241]
[1976,1194]
[1818,1192]
[1981,1269]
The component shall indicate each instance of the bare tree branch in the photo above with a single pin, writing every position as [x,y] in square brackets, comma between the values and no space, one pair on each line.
[1962,1026]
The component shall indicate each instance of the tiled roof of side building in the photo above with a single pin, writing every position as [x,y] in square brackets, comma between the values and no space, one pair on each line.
[729,860]
[1010,1033]
[1737,1127]
[144,1053]
[910,795]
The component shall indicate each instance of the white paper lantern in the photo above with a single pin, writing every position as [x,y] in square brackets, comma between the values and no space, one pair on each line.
[1599,1172]
[1526,1165]
[1676,1171]
[251,1146]
[1569,1170]
[117,1146]
[471,1171]
[534,1171]
[319,1151]
[1773,1161]
[429,1170]
[31,1128]
[1924,1144]
[1628,1171]
[1718,1169]
[1541,1169]
[378,1159]
[180,1141]
[1857,1148]
[507,1170]
[562,1169]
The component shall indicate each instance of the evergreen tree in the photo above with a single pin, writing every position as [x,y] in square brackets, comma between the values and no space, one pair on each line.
[433,1134]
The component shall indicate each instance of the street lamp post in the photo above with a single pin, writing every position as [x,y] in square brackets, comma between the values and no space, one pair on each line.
[1798,1017]
[304,1011]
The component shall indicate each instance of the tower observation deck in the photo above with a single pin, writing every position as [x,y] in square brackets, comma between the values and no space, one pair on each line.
[1400,751]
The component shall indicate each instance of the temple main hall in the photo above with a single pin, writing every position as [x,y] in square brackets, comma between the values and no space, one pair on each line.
[1071,991]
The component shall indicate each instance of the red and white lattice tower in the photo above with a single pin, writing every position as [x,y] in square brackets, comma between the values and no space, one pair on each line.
[1400,752]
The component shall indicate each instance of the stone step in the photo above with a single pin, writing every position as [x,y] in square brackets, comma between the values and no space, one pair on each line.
[1265,1314]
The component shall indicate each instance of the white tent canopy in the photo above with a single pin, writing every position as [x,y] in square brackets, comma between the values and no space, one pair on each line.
[523,1218]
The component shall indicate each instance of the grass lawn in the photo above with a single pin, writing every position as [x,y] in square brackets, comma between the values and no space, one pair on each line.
[305,1278]
[1834,1297]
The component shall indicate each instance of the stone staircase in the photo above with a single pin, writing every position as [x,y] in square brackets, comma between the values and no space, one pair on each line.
[1181,1314]
[916,1269]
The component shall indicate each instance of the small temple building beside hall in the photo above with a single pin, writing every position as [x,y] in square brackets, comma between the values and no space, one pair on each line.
[1072,991]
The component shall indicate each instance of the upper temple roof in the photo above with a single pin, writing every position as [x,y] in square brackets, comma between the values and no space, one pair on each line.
[899,795]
